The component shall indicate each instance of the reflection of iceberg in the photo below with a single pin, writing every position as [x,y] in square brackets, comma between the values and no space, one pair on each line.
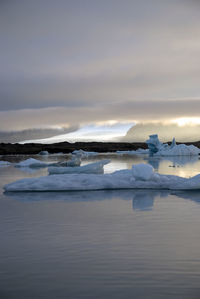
[72,196]
[96,167]
[176,160]
[143,178]
[158,148]
[191,195]
[143,200]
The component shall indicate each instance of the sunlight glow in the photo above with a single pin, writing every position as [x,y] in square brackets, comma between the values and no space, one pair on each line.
[187,121]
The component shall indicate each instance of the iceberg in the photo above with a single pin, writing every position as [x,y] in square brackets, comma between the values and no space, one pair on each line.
[154,144]
[179,150]
[31,162]
[84,154]
[141,176]
[75,161]
[43,153]
[157,148]
[34,163]
[96,167]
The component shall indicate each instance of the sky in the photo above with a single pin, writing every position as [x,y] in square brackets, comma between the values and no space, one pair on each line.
[72,62]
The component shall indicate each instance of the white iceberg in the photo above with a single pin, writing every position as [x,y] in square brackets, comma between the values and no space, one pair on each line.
[34,163]
[142,172]
[123,179]
[179,150]
[43,153]
[31,162]
[84,154]
[75,161]
[96,168]
[157,148]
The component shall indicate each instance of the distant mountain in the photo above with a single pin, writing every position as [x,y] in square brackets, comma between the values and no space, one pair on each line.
[140,132]
[18,136]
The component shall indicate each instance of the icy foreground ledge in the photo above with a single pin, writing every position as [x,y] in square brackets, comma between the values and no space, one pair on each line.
[141,176]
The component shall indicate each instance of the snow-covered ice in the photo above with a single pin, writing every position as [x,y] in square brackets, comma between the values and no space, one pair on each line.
[84,154]
[74,162]
[179,150]
[142,172]
[43,153]
[96,167]
[158,148]
[123,179]
[31,162]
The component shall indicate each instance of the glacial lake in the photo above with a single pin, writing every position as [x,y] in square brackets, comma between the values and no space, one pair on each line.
[120,244]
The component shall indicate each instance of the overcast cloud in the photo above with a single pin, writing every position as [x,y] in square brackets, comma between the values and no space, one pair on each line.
[88,61]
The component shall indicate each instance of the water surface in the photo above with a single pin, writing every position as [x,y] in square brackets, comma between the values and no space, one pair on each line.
[100,244]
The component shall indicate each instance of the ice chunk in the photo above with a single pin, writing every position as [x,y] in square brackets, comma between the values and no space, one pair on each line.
[173,144]
[122,179]
[32,163]
[75,161]
[142,172]
[158,148]
[84,154]
[96,167]
[179,150]
[154,144]
[43,153]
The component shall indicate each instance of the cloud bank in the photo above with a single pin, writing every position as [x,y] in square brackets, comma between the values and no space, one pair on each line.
[66,63]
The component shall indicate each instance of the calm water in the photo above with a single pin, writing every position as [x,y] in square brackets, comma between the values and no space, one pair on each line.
[100,244]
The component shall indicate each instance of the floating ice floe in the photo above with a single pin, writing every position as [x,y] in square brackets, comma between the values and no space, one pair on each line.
[179,150]
[74,162]
[31,162]
[96,168]
[4,163]
[157,148]
[84,154]
[142,176]
[43,153]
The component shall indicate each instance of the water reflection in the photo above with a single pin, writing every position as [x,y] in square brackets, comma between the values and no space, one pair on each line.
[175,160]
[142,200]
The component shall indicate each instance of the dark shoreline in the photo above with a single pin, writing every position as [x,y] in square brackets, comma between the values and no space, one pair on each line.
[66,147]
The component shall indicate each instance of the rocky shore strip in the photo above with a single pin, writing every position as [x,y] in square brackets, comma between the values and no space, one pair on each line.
[66,147]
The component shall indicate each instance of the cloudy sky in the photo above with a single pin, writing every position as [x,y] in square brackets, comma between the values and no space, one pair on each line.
[76,62]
